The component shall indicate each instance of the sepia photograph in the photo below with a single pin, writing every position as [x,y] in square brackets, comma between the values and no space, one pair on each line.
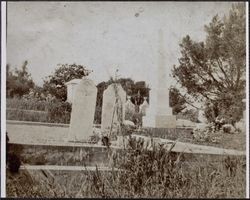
[123,99]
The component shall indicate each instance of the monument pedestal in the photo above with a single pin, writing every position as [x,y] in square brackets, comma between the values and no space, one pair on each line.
[159,113]
[160,121]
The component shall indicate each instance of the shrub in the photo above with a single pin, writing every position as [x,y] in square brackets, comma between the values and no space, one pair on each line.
[231,111]
[59,112]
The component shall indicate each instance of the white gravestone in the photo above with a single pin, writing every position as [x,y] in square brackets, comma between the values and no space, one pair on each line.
[109,115]
[129,109]
[143,107]
[71,88]
[83,110]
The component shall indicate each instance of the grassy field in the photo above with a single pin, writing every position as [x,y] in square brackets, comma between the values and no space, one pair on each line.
[143,173]
[38,111]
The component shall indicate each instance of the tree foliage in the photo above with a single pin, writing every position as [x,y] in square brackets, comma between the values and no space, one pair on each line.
[55,83]
[137,91]
[213,70]
[177,101]
[18,81]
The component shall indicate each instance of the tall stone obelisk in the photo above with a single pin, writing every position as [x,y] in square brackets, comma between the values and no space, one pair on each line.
[159,114]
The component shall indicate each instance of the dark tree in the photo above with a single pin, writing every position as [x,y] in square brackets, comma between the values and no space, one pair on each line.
[213,71]
[177,102]
[19,81]
[137,91]
[55,84]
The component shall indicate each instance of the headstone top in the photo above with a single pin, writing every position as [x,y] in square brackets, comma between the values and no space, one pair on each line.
[73,81]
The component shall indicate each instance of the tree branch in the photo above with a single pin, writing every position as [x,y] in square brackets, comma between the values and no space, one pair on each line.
[223,71]
[219,85]
[184,97]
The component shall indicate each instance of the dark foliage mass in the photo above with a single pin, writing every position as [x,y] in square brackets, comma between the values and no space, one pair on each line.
[213,70]
[59,112]
[12,160]
[55,83]
[18,81]
[137,91]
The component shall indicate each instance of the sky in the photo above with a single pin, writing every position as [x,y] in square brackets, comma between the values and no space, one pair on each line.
[103,36]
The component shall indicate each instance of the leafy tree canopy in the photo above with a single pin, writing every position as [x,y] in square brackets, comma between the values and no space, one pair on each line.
[18,81]
[55,83]
[177,101]
[213,71]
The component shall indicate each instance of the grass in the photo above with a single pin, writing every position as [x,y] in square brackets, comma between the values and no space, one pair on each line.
[38,111]
[27,104]
[158,173]
[26,115]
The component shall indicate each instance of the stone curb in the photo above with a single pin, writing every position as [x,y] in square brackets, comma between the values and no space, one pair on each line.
[41,123]
[65,168]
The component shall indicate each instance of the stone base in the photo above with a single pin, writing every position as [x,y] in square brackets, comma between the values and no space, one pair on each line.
[181,123]
[69,154]
[159,121]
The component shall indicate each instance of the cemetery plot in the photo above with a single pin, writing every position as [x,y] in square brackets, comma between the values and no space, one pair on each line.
[53,161]
[74,137]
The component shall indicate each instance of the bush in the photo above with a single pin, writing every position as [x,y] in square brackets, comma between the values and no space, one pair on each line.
[59,112]
[230,110]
